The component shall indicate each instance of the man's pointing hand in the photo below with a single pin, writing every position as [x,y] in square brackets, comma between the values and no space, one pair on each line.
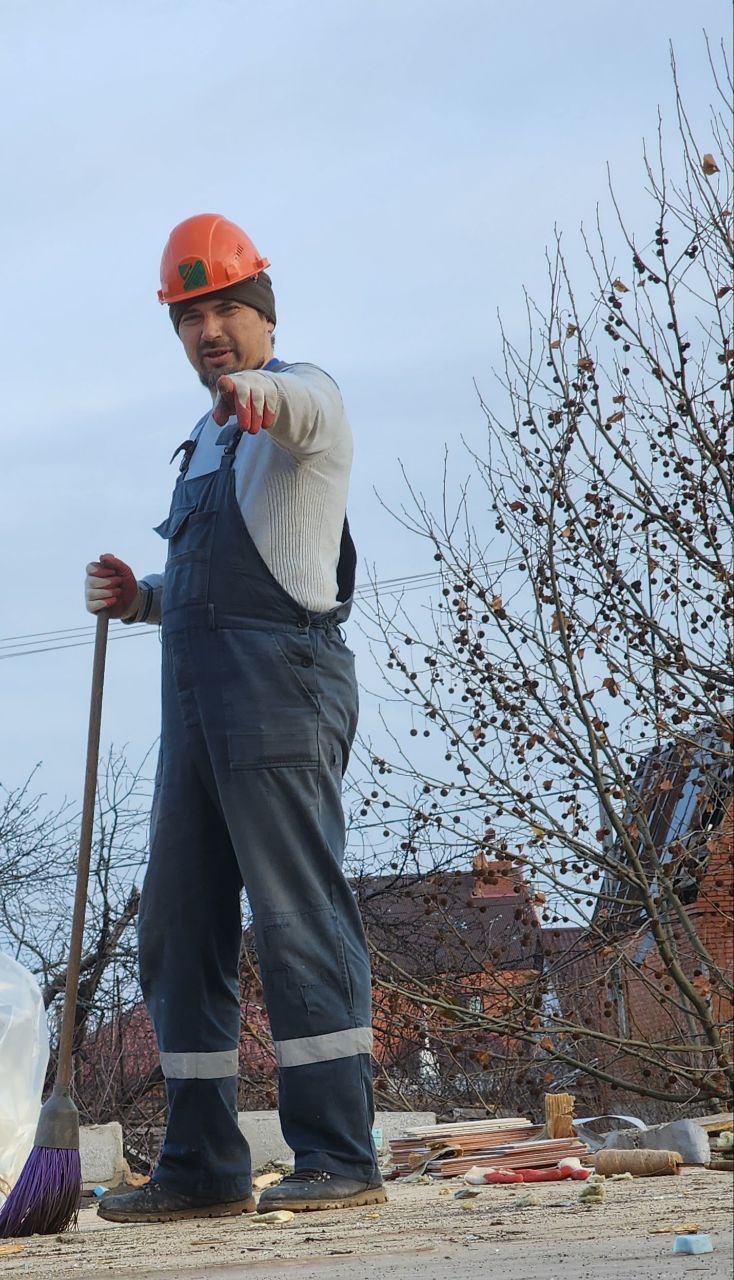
[252,397]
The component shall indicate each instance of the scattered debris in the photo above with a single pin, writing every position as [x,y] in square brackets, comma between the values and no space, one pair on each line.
[693,1244]
[468,1205]
[684,1136]
[491,1176]
[718,1123]
[641,1164]
[466,1193]
[7,1249]
[420,1149]
[277,1218]
[266,1180]
[688,1229]
[469,1151]
[100,1191]
[593,1192]
[559,1115]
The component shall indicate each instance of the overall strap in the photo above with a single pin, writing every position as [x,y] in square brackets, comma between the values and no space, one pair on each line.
[188,447]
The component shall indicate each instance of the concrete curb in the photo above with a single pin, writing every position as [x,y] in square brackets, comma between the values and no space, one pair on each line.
[267,1144]
[103,1163]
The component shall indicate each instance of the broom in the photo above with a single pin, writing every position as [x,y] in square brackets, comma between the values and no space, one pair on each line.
[46,1197]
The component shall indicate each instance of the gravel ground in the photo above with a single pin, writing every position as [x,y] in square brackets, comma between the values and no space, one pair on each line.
[423,1232]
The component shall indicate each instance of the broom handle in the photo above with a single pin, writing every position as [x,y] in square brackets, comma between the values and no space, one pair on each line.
[63,1070]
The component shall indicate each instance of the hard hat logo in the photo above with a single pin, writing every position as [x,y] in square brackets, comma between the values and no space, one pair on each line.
[193,275]
[204,254]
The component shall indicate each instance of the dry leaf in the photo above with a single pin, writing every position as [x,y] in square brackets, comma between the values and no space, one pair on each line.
[620,286]
[556,623]
[685,1229]
[571,330]
[538,831]
[723,291]
[266,1180]
[615,417]
[555,344]
[709,165]
[610,684]
[7,1249]
[497,603]
[618,399]
[586,363]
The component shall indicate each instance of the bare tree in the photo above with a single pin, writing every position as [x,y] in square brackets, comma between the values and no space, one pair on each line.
[576,664]
[38,852]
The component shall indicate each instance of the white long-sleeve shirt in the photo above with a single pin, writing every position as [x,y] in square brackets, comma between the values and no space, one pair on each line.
[291,483]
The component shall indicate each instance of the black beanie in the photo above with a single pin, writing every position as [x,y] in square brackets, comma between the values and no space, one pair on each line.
[256,292]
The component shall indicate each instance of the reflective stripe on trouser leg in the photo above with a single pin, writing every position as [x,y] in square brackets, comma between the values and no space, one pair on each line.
[326,1048]
[190,935]
[287,829]
[199,1066]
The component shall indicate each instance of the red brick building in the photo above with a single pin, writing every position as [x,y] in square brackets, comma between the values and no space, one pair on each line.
[612,978]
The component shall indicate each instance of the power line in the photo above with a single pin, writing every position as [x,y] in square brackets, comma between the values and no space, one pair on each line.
[25,645]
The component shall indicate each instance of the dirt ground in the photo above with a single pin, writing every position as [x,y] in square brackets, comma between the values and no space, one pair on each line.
[422,1233]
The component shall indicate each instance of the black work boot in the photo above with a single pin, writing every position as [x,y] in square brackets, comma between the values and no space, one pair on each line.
[154,1203]
[317,1189]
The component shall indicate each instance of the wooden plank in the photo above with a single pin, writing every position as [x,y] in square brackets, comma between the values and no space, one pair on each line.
[715,1123]
[470,1126]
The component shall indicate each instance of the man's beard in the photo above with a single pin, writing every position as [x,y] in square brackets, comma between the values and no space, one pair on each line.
[211,377]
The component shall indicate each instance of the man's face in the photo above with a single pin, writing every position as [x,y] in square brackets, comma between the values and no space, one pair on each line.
[222,336]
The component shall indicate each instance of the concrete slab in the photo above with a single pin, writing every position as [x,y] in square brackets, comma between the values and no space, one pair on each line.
[267,1144]
[100,1148]
[103,1163]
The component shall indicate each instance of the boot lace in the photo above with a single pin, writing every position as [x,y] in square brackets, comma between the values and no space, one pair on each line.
[308,1175]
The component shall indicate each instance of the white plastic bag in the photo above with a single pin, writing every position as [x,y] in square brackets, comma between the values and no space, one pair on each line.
[23,1062]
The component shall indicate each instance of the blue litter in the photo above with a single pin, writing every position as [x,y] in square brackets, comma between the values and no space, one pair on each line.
[100,1191]
[693,1244]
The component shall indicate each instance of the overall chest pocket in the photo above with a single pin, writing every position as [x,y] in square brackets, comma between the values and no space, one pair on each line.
[190,534]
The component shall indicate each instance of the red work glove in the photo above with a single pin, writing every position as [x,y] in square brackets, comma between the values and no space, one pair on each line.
[251,396]
[110,587]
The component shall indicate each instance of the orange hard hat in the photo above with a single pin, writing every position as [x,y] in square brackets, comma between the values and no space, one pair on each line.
[204,254]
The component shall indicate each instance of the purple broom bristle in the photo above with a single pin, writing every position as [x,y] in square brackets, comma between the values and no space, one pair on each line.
[45,1199]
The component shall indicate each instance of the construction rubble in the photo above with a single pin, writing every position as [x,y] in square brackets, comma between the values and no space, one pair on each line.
[513,1149]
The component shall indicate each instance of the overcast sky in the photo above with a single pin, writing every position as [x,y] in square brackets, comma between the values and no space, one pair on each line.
[401,163]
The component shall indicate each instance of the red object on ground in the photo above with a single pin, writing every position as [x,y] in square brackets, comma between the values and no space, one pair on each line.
[503,1175]
[546,1175]
[499,1176]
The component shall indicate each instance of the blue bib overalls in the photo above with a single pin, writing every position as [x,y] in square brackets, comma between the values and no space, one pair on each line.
[259,713]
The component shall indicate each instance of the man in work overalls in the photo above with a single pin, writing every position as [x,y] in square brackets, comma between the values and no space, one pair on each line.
[259,713]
